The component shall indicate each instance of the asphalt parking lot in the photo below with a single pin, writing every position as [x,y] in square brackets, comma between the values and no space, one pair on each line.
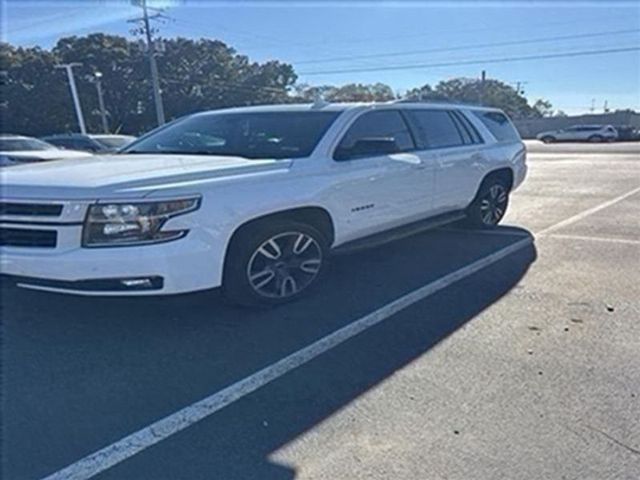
[523,367]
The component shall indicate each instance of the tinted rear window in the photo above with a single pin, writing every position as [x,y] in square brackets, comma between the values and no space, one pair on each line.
[499,125]
[434,129]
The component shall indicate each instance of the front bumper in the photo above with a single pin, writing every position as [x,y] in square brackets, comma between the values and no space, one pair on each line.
[186,265]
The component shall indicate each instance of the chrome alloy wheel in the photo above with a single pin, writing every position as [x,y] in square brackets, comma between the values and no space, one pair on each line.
[284,265]
[493,205]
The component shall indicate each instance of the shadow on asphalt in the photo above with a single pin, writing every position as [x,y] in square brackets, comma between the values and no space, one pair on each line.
[80,373]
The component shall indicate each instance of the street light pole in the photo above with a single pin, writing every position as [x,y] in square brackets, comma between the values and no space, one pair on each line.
[483,78]
[74,93]
[103,114]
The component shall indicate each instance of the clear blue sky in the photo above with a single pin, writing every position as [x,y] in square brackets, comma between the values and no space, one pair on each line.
[302,32]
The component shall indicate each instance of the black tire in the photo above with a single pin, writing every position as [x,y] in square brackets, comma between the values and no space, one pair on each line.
[252,259]
[490,203]
[596,139]
[548,139]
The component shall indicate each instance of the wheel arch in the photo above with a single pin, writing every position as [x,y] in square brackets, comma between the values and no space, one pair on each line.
[315,216]
[504,173]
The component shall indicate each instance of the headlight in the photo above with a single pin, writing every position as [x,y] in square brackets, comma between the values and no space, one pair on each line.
[139,223]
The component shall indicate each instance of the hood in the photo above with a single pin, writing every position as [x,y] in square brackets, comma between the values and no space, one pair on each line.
[52,154]
[124,175]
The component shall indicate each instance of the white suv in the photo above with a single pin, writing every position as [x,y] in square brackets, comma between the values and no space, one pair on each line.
[253,199]
[580,133]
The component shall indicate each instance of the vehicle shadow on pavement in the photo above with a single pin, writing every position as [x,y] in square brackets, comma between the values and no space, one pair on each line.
[80,373]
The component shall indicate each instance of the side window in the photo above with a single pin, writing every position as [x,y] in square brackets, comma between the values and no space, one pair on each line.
[499,125]
[466,137]
[79,144]
[86,144]
[64,143]
[473,132]
[373,134]
[435,129]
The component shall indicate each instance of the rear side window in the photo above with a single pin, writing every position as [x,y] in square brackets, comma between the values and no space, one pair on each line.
[375,133]
[435,129]
[468,127]
[499,125]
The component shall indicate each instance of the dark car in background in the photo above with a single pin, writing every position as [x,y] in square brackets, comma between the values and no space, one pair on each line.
[95,143]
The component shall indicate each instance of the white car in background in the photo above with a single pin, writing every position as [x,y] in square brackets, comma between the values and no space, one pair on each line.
[17,149]
[580,133]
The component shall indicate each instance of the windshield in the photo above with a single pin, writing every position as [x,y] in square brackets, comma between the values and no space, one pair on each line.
[23,144]
[252,135]
[114,142]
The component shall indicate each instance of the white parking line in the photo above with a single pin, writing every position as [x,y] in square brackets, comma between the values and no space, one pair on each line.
[148,436]
[595,239]
[586,213]
[499,232]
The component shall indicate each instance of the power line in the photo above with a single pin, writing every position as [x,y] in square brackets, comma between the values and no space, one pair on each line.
[472,62]
[49,19]
[263,39]
[465,47]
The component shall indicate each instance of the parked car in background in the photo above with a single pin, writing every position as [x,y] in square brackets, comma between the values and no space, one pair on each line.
[113,142]
[580,133]
[17,149]
[628,133]
[254,199]
[95,143]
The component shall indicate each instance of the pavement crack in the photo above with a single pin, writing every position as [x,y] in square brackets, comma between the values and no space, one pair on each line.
[614,440]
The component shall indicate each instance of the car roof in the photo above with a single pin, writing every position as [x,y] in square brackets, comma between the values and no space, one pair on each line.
[341,107]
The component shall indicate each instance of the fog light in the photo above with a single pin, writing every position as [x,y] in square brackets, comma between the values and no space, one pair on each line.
[137,283]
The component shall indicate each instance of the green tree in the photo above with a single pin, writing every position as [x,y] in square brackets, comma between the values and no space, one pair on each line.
[493,93]
[194,75]
[352,92]
[543,108]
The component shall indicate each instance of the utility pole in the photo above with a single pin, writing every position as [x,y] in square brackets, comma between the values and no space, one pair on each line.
[74,93]
[97,78]
[606,106]
[483,78]
[593,105]
[151,51]
[519,86]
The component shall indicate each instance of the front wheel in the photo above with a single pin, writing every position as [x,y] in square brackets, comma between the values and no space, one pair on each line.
[490,204]
[270,264]
[596,139]
[548,139]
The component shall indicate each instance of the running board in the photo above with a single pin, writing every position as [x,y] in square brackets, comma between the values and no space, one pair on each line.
[398,233]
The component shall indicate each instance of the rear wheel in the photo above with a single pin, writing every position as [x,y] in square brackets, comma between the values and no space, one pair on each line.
[596,139]
[548,139]
[490,204]
[270,264]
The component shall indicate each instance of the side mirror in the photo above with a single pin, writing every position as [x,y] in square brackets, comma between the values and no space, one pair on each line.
[368,147]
